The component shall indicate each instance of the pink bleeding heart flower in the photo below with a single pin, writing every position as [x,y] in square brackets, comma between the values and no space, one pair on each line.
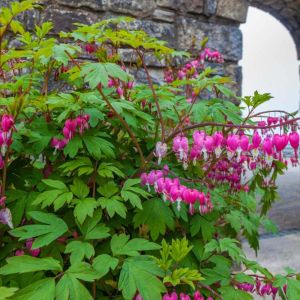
[209,143]
[181,146]
[172,296]
[7,122]
[244,143]
[184,297]
[232,145]
[6,218]
[198,296]
[160,151]
[120,91]
[294,140]
[218,139]
[19,252]
[138,297]
[280,141]
[256,140]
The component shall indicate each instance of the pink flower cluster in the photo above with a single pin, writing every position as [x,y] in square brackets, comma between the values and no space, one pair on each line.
[79,124]
[173,191]
[182,296]
[120,86]
[211,55]
[261,288]
[7,127]
[204,146]
[191,69]
[28,246]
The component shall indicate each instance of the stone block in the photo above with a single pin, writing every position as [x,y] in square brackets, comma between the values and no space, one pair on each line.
[210,7]
[163,31]
[225,38]
[190,6]
[64,19]
[96,5]
[137,8]
[163,15]
[233,9]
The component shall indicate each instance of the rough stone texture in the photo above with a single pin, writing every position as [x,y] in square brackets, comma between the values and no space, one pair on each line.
[226,38]
[63,18]
[164,15]
[139,8]
[210,7]
[233,9]
[182,23]
[190,6]
[96,5]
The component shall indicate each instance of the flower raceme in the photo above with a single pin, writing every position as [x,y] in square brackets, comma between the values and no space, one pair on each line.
[80,124]
[182,296]
[192,68]
[204,146]
[173,191]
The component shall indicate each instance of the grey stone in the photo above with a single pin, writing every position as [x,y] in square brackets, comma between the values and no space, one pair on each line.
[129,56]
[138,8]
[210,7]
[233,9]
[225,38]
[163,31]
[97,5]
[190,6]
[63,19]
[164,15]
[172,4]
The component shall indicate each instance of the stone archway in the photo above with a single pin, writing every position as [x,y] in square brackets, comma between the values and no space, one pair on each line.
[287,12]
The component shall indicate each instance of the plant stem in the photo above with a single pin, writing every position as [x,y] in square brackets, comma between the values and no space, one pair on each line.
[130,132]
[154,96]
[210,289]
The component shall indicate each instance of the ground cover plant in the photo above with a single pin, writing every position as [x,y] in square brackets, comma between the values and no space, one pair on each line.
[116,189]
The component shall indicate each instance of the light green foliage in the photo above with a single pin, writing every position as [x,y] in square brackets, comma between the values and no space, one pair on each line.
[140,273]
[45,234]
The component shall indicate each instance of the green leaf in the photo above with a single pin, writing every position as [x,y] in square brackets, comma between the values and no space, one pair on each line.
[6,292]
[183,275]
[79,250]
[92,230]
[79,188]
[44,234]
[108,170]
[103,263]
[57,184]
[140,274]
[157,216]
[69,287]
[113,206]
[96,145]
[230,293]
[84,208]
[179,249]
[42,289]
[121,245]
[83,271]
[73,146]
[293,289]
[94,73]
[25,264]
[132,193]
[207,228]
[230,246]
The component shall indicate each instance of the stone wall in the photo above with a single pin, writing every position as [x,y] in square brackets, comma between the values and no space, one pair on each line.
[182,23]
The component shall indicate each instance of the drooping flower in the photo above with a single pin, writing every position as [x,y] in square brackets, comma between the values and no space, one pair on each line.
[5,217]
[160,151]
